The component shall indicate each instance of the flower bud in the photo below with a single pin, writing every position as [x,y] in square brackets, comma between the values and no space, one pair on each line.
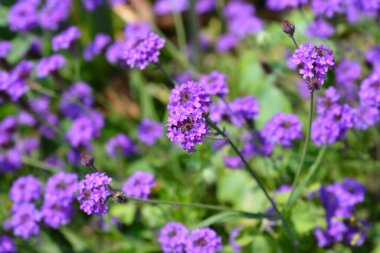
[288,27]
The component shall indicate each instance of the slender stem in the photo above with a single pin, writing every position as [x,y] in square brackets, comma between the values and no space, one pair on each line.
[296,192]
[180,30]
[38,164]
[294,41]
[171,81]
[198,205]
[306,145]
[257,179]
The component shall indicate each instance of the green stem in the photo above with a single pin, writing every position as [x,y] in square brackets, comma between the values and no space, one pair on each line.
[38,164]
[306,145]
[296,192]
[180,31]
[257,179]
[171,81]
[199,205]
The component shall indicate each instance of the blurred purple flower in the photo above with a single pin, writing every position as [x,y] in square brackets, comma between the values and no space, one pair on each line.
[320,29]
[137,30]
[22,16]
[91,5]
[215,83]
[139,185]
[149,131]
[65,39]
[25,189]
[76,100]
[120,144]
[113,55]
[347,71]
[7,245]
[96,47]
[365,116]
[226,42]
[204,240]
[53,13]
[5,48]
[24,220]
[278,5]
[173,237]
[234,233]
[233,162]
[49,65]
[327,8]
[163,7]
[369,92]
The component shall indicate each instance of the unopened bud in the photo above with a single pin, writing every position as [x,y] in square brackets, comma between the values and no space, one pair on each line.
[288,27]
[313,84]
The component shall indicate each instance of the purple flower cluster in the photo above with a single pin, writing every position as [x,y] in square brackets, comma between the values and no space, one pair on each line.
[139,185]
[215,83]
[186,123]
[7,245]
[76,100]
[96,47]
[5,48]
[149,131]
[94,191]
[49,65]
[65,39]
[91,5]
[278,5]
[241,21]
[57,208]
[313,63]
[141,50]
[339,201]
[164,7]
[319,28]
[176,238]
[369,93]
[283,129]
[120,146]
[25,189]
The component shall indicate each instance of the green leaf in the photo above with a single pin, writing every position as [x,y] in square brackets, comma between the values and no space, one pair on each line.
[306,217]
[20,45]
[262,244]
[4,16]
[124,213]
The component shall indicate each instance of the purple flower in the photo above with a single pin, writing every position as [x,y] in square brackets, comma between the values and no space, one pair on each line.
[320,29]
[56,215]
[323,132]
[365,117]
[10,160]
[49,65]
[76,100]
[369,92]
[347,71]
[323,238]
[204,6]
[183,77]
[91,5]
[233,162]
[226,42]
[278,5]
[327,8]
[24,220]
[139,185]
[233,243]
[149,131]
[283,129]
[61,188]
[187,127]
[93,193]
[328,102]
[113,55]
[96,47]
[189,95]
[53,13]
[25,189]
[215,83]
[239,9]
[313,62]
[141,51]
[245,107]
[22,16]
[84,129]
[243,27]
[137,30]
[116,2]
[356,237]
[7,245]
[373,55]
[173,237]
[28,145]
[163,7]
[203,240]
[5,48]
[120,144]
[55,161]
[7,129]
[65,39]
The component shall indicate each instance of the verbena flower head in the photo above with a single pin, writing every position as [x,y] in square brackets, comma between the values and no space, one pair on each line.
[25,189]
[61,188]
[93,193]
[245,107]
[313,62]
[136,30]
[49,65]
[10,160]
[283,129]
[243,27]
[149,131]
[215,83]
[76,100]
[203,240]
[226,42]
[320,29]
[236,9]
[96,47]
[278,5]
[189,95]
[24,220]
[141,51]
[173,237]
[120,144]
[347,71]
[187,127]
[65,39]
[373,55]
[113,55]
[204,6]
[53,13]
[328,102]
[22,16]
[327,8]
[7,245]
[369,92]
[163,7]
[365,116]
[139,185]
[5,48]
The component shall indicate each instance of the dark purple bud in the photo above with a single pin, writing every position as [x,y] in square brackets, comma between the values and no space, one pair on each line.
[86,160]
[313,84]
[288,27]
